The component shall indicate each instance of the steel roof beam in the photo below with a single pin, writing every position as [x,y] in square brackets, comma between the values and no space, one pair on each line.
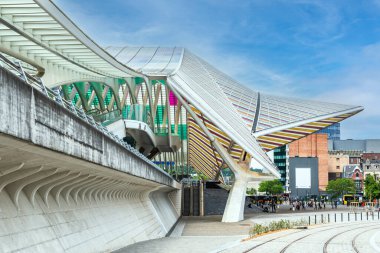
[31,37]
[51,8]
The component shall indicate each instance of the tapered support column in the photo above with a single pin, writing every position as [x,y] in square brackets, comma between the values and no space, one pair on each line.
[234,210]
[236,199]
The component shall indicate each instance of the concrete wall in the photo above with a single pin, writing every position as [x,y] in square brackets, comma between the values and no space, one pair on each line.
[215,200]
[27,114]
[66,187]
[303,162]
[314,145]
[98,227]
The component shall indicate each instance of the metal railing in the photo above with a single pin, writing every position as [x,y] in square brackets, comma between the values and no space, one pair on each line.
[138,112]
[343,217]
[54,94]
[108,117]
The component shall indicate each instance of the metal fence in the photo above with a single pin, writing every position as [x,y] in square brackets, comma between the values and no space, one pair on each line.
[342,217]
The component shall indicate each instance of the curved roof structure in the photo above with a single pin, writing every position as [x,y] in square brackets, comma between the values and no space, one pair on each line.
[274,111]
[39,33]
[156,61]
[242,120]
[235,111]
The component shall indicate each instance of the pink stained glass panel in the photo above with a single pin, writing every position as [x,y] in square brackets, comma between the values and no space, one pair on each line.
[172,98]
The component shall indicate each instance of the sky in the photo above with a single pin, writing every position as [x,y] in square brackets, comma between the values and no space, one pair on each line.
[321,50]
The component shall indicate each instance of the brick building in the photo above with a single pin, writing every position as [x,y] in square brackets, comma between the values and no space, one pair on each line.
[371,164]
[336,162]
[370,156]
[355,173]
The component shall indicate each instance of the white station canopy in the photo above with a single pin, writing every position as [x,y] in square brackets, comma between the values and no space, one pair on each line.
[40,34]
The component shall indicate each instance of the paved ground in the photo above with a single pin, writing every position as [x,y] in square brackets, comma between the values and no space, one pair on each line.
[199,234]
[208,234]
[363,236]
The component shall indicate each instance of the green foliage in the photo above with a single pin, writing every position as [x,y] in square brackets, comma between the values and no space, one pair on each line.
[200,176]
[271,187]
[371,188]
[258,229]
[251,191]
[277,189]
[256,170]
[340,186]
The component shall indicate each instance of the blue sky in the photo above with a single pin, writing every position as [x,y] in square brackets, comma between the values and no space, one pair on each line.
[323,50]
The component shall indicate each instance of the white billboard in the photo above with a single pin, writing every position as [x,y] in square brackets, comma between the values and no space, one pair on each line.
[303,178]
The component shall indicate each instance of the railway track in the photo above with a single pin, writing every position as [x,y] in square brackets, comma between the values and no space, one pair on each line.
[303,237]
[353,242]
[278,237]
[336,235]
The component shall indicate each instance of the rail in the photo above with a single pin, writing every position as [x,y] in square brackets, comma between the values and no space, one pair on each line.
[54,94]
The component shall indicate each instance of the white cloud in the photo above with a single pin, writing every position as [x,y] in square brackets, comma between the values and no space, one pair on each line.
[247,71]
[306,26]
[358,84]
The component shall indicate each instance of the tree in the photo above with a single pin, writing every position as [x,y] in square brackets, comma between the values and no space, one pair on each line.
[340,186]
[251,191]
[371,188]
[271,187]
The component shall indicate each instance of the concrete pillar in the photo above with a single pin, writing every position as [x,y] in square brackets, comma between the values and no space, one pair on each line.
[182,198]
[191,199]
[201,199]
[234,210]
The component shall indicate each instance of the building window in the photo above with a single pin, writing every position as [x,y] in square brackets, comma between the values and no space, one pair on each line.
[338,167]
[357,174]
[358,185]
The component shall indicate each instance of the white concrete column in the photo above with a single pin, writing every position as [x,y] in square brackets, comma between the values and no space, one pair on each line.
[201,199]
[234,210]
[236,199]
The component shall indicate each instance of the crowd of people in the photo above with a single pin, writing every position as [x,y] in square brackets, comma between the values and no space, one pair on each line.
[312,203]
[270,204]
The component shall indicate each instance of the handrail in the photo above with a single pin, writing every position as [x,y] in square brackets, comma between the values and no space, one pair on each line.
[107,116]
[54,94]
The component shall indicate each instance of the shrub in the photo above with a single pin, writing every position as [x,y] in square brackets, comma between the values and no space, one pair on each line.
[259,229]
[301,222]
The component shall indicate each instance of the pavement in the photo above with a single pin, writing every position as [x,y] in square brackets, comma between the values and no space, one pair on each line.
[209,234]
[360,236]
[198,234]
